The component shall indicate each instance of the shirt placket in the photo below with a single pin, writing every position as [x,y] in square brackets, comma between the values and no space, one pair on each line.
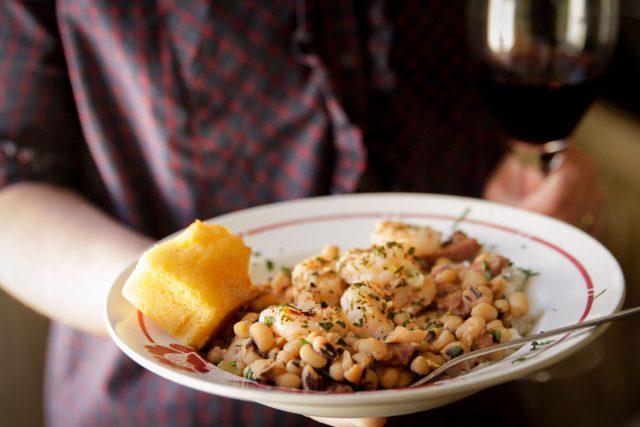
[350,153]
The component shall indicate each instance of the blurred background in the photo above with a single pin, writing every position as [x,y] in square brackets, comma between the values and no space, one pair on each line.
[596,387]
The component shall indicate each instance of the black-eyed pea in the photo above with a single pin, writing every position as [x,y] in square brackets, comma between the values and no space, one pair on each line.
[451,322]
[293,347]
[404,335]
[502,305]
[474,295]
[372,346]
[388,377]
[434,360]
[494,324]
[452,350]
[369,380]
[250,357]
[474,278]
[322,345]
[311,357]
[405,379]
[500,334]
[347,361]
[363,359]
[519,304]
[249,351]
[487,294]
[280,282]
[506,319]
[288,380]
[333,338]
[442,340]
[498,285]
[330,252]
[273,353]
[420,365]
[293,367]
[354,373]
[215,355]
[470,329]
[311,380]
[319,342]
[285,356]
[241,329]
[442,261]
[485,310]
[336,370]
[262,336]
[311,335]
[446,275]
[250,317]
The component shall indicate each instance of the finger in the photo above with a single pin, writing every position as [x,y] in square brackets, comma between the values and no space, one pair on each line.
[351,422]
[569,192]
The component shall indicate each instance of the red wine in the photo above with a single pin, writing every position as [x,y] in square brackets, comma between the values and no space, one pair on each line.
[536,112]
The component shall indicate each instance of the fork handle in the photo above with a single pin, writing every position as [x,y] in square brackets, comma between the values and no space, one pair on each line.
[523,340]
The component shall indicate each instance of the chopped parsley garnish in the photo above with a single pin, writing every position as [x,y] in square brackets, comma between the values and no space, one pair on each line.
[528,273]
[537,344]
[600,293]
[269,321]
[496,335]
[359,323]
[327,326]
[341,323]
[285,270]
[486,269]
[461,218]
[454,352]
[434,325]
[269,264]
[248,374]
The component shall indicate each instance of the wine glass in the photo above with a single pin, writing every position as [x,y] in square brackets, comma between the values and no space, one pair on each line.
[541,64]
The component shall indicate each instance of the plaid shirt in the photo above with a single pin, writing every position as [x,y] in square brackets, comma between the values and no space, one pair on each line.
[163,111]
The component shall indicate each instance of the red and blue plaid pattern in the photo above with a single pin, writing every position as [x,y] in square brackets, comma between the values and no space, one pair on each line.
[163,111]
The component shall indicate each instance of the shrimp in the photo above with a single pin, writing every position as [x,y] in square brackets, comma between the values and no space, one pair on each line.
[316,278]
[425,240]
[365,309]
[414,300]
[385,266]
[293,323]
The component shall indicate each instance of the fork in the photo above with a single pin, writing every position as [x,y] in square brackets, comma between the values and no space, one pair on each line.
[521,341]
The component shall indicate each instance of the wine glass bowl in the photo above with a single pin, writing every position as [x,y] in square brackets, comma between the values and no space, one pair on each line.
[541,64]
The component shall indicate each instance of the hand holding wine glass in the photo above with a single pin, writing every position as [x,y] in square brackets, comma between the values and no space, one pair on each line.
[541,65]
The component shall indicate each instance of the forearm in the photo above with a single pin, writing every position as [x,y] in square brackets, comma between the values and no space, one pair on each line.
[59,254]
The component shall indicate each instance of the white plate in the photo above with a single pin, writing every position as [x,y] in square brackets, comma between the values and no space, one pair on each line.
[578,279]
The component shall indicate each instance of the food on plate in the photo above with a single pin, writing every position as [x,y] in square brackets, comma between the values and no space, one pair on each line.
[366,318]
[380,316]
[190,284]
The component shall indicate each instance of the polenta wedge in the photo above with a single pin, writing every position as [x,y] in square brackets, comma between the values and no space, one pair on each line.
[190,283]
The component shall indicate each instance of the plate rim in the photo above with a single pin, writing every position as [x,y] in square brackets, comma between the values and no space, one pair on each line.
[340,399]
